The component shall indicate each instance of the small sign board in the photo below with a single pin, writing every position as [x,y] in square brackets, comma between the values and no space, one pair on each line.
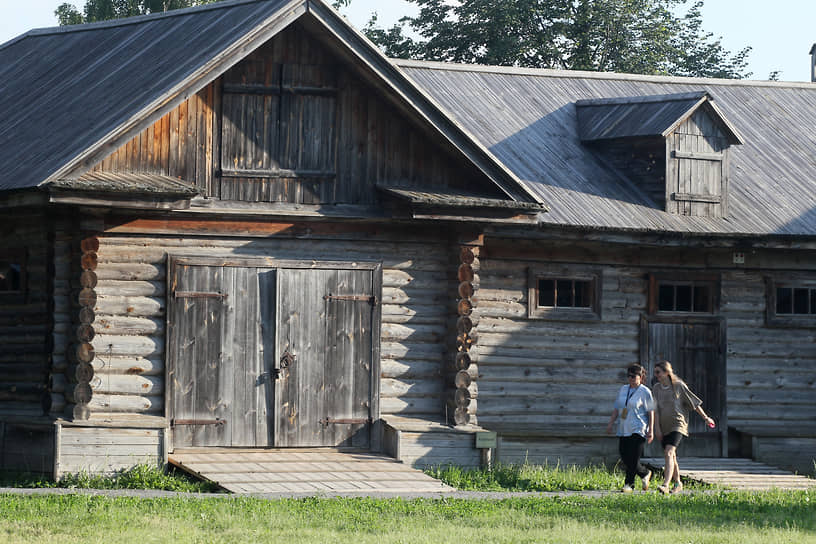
[485,439]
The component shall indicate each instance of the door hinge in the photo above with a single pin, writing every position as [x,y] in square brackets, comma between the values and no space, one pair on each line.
[217,422]
[344,421]
[361,298]
[198,294]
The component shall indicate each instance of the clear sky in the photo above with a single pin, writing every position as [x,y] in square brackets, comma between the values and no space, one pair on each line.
[781,32]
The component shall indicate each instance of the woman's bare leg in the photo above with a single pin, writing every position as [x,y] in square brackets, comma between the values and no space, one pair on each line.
[671,469]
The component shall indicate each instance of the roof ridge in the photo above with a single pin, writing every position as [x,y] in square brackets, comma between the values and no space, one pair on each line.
[550,72]
[645,99]
[136,19]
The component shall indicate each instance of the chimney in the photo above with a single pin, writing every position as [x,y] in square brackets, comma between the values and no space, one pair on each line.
[813,63]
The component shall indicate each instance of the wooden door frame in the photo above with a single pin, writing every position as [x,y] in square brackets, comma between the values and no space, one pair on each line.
[705,319]
[174,260]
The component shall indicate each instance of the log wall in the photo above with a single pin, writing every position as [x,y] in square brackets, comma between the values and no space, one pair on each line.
[129,313]
[25,315]
[548,379]
[771,370]
[27,447]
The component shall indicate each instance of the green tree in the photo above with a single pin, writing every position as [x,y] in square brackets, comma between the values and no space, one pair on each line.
[632,36]
[102,10]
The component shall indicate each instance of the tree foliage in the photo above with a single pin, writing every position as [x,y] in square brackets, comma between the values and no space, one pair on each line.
[102,10]
[631,36]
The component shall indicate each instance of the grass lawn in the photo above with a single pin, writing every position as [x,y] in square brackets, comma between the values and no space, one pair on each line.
[697,516]
[725,517]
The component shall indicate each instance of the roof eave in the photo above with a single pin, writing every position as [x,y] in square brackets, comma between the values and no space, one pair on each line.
[707,101]
[197,80]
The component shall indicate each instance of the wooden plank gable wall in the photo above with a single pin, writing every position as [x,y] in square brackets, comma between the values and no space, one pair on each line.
[292,123]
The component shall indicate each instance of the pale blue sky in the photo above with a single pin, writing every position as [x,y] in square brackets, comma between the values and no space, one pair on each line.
[781,32]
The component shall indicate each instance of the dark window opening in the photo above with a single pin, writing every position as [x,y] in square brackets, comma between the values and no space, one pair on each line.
[564,293]
[795,301]
[11,275]
[685,297]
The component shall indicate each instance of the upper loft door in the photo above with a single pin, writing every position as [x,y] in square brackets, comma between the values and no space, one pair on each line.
[325,393]
[217,394]
[697,168]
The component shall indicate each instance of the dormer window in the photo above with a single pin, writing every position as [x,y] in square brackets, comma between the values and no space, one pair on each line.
[674,147]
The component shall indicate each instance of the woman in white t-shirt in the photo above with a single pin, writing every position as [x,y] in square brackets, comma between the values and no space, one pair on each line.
[634,411]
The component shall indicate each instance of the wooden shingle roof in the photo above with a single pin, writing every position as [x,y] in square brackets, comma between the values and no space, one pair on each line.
[639,116]
[528,119]
[65,91]
[71,95]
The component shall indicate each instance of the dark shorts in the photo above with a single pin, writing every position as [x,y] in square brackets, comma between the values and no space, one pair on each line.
[671,439]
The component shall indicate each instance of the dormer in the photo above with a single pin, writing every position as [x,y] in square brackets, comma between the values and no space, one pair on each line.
[674,147]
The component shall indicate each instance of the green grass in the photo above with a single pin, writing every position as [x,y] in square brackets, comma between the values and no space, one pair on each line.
[539,478]
[718,517]
[138,477]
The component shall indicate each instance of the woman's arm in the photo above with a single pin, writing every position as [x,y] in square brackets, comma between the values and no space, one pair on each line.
[612,419]
[650,430]
[658,433]
[709,421]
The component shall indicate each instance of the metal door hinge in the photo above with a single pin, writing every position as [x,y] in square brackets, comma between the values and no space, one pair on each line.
[344,421]
[362,298]
[217,422]
[198,294]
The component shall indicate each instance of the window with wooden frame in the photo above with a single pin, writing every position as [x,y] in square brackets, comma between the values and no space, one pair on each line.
[12,275]
[564,293]
[790,302]
[683,294]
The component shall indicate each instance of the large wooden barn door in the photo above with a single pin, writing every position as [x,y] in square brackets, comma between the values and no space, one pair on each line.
[217,391]
[696,352]
[324,389]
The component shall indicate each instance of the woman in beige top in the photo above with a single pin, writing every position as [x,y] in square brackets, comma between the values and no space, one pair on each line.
[673,401]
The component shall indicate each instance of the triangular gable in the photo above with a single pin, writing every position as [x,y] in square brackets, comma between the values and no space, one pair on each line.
[645,116]
[134,71]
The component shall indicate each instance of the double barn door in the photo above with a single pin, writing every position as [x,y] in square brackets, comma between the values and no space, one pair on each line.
[269,355]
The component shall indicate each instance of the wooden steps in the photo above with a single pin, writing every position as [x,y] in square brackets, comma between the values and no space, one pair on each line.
[736,473]
[313,470]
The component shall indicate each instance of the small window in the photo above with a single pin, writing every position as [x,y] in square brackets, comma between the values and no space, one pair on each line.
[694,294]
[684,297]
[12,275]
[564,294]
[791,302]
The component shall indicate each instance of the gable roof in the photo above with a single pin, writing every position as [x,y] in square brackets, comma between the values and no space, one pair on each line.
[644,116]
[528,119]
[71,95]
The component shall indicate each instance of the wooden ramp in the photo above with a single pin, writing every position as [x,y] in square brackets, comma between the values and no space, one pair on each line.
[735,473]
[317,470]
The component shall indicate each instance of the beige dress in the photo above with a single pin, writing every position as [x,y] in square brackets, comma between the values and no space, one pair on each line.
[673,405]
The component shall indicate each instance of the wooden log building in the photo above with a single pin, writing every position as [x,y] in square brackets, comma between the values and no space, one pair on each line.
[240,225]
